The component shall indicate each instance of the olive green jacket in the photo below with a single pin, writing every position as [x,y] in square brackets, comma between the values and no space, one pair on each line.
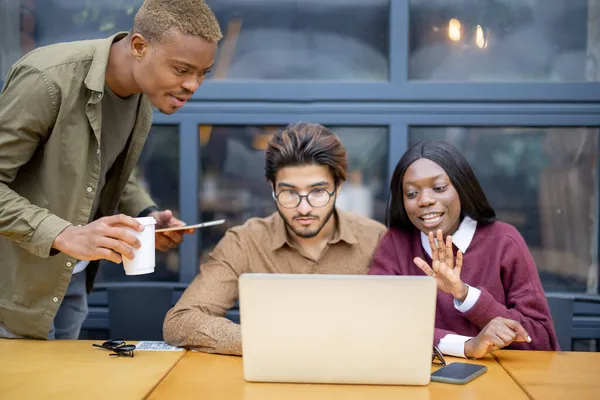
[50,132]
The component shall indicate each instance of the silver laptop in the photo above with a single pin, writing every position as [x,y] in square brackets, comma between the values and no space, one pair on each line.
[354,329]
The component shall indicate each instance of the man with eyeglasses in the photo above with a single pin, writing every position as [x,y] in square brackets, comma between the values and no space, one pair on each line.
[306,165]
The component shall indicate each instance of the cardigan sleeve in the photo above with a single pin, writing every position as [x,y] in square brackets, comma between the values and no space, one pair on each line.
[525,298]
[385,261]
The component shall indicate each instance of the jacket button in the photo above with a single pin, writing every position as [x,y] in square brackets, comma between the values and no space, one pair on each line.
[69,264]
[55,299]
[89,189]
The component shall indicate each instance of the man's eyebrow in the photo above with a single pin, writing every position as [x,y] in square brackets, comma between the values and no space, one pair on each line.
[316,184]
[322,183]
[209,68]
[190,66]
[287,185]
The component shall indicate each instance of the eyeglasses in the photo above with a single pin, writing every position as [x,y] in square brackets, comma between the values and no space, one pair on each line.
[291,199]
[118,346]
[437,358]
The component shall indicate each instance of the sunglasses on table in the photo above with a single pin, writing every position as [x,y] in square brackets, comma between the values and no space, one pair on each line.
[437,358]
[119,347]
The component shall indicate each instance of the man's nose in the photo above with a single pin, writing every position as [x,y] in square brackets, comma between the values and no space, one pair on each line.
[304,208]
[191,84]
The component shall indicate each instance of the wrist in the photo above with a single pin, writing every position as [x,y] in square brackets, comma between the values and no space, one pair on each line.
[146,212]
[461,295]
[469,348]
[59,240]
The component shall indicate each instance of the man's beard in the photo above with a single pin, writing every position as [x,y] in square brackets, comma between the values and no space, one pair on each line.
[307,235]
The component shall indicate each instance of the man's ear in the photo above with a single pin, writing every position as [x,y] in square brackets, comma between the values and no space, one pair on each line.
[139,46]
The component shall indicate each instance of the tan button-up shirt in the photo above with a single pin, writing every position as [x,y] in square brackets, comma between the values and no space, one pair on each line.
[261,245]
[50,134]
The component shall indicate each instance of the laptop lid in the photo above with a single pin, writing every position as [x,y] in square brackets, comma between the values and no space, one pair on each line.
[337,328]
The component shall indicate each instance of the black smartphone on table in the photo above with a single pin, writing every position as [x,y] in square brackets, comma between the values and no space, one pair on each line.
[458,373]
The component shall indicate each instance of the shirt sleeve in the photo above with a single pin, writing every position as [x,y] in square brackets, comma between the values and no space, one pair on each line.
[525,298]
[472,296]
[29,106]
[197,320]
[453,345]
[135,198]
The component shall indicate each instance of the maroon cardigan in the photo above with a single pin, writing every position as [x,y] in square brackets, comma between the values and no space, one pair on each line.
[498,263]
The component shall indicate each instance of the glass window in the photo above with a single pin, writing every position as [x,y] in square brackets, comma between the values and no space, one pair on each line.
[263,39]
[158,172]
[27,24]
[507,41]
[233,183]
[544,182]
[302,39]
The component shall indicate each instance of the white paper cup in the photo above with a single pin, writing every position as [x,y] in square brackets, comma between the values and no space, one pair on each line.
[144,261]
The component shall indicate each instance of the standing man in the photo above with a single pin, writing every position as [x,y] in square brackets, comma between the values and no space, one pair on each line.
[305,165]
[73,120]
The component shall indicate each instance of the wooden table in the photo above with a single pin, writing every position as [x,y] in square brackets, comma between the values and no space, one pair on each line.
[64,369]
[554,375]
[209,376]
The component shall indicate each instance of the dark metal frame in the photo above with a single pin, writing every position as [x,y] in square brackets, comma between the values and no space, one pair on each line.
[398,87]
[398,117]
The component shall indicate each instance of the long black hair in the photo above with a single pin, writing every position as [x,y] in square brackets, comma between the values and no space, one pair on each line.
[472,198]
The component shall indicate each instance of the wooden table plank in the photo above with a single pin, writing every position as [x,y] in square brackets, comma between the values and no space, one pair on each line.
[66,369]
[554,375]
[221,377]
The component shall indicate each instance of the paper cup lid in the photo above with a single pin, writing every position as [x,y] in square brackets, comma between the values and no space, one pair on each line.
[146,220]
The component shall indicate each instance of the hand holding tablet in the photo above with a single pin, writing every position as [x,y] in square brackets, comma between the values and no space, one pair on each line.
[188,227]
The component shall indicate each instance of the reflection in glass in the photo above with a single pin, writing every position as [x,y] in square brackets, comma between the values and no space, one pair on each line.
[263,39]
[542,181]
[27,24]
[309,39]
[158,172]
[233,182]
[504,40]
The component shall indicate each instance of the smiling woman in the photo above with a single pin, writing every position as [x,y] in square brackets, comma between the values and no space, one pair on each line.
[490,295]
[433,187]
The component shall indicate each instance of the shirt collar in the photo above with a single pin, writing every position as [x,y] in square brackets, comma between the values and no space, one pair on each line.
[461,239]
[343,231]
[96,77]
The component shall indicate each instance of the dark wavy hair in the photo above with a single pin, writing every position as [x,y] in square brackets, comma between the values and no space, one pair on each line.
[304,143]
[472,198]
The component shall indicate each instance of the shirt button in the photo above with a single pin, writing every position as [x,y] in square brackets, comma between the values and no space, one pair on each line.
[69,264]
[55,299]
[89,190]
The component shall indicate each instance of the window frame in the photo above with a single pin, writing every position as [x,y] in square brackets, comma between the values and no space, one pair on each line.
[399,87]
[397,117]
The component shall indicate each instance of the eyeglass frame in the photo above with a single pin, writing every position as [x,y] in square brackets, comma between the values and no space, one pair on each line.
[304,196]
[125,350]
[119,347]
[437,354]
